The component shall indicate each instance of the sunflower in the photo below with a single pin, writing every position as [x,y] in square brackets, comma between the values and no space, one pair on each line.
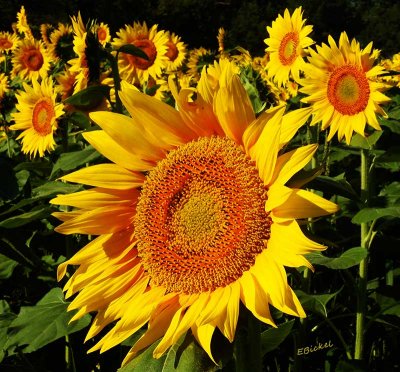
[66,82]
[61,43]
[45,31]
[22,24]
[79,65]
[152,42]
[30,59]
[37,114]
[193,217]
[103,33]
[341,84]
[286,44]
[8,42]
[176,53]
[4,88]
[198,58]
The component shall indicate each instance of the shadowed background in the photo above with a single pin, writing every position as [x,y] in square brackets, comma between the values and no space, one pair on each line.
[197,21]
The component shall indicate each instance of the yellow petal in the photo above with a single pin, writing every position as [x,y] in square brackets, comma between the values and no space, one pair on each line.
[162,123]
[132,137]
[232,311]
[290,163]
[291,122]
[99,221]
[106,175]
[254,298]
[265,150]
[297,203]
[232,106]
[104,144]
[203,336]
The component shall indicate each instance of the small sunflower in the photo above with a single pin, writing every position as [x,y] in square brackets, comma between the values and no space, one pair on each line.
[103,33]
[22,24]
[79,65]
[152,42]
[30,59]
[210,224]
[198,58]
[341,84]
[66,81]
[45,31]
[176,53]
[8,42]
[4,88]
[287,41]
[37,114]
[61,43]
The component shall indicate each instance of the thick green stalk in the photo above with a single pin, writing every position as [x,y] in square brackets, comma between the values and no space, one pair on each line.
[248,356]
[362,271]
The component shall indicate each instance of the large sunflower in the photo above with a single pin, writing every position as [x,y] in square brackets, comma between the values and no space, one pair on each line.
[152,42]
[30,60]
[287,42]
[37,114]
[341,84]
[194,216]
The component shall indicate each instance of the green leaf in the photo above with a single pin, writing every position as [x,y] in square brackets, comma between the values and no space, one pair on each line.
[6,318]
[25,218]
[334,185]
[47,321]
[365,142]
[370,214]
[7,266]
[391,155]
[185,355]
[80,119]
[90,97]
[392,125]
[315,303]
[72,160]
[145,361]
[134,51]
[349,258]
[391,193]
[273,337]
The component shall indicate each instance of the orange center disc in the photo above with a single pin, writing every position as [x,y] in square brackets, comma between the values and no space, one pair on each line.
[288,48]
[172,51]
[43,114]
[149,48]
[5,44]
[32,59]
[101,34]
[348,90]
[200,220]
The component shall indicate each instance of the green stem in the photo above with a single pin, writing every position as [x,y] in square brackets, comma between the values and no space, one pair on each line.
[362,271]
[117,80]
[248,355]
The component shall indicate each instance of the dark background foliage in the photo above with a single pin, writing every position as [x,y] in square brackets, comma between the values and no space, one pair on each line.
[197,21]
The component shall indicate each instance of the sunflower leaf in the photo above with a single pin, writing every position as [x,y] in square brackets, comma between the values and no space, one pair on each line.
[315,303]
[7,266]
[72,160]
[370,214]
[365,142]
[6,318]
[39,325]
[90,97]
[349,258]
[25,218]
[133,51]
[273,337]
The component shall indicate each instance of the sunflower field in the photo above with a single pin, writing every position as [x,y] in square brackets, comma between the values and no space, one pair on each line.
[173,208]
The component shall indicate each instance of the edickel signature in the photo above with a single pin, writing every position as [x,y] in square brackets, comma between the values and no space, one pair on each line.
[313,348]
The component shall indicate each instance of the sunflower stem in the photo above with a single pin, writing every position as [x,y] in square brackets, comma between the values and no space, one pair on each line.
[247,347]
[362,270]
[117,80]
